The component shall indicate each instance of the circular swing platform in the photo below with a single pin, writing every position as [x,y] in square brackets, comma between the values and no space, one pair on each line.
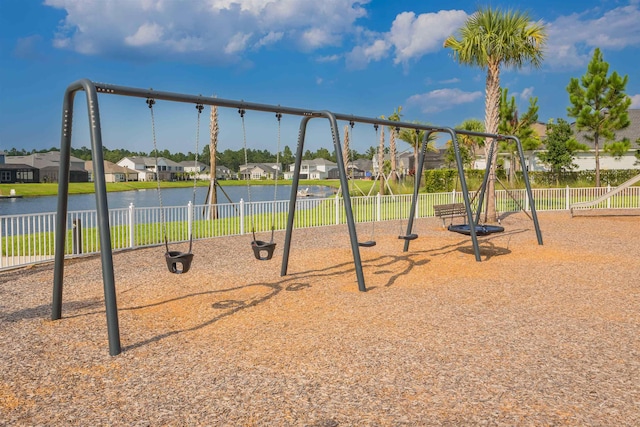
[481,230]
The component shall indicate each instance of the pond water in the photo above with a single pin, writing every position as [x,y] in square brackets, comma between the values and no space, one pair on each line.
[149,198]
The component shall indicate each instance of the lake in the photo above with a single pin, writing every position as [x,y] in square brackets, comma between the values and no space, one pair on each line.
[149,198]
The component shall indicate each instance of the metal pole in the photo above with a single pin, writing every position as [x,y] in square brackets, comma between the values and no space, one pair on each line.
[101,205]
[294,192]
[525,175]
[416,185]
[63,192]
[347,198]
[344,182]
[465,194]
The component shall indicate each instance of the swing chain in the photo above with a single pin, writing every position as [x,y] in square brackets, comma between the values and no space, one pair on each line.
[150,103]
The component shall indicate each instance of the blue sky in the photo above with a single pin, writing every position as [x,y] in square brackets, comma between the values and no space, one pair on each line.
[353,57]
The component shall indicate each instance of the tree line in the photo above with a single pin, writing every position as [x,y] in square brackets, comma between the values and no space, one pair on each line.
[229,158]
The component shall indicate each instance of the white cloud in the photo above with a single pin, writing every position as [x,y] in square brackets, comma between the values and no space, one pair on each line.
[271,38]
[635,101]
[526,93]
[442,99]
[360,56]
[220,30]
[328,58]
[572,38]
[409,38]
[414,36]
[237,43]
[449,81]
[146,34]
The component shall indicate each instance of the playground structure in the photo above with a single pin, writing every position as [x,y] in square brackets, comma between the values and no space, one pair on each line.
[591,203]
[92,90]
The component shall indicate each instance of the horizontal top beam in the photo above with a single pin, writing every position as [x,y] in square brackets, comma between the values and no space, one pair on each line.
[244,105]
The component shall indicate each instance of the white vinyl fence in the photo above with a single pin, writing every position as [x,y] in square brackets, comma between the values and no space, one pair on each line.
[29,239]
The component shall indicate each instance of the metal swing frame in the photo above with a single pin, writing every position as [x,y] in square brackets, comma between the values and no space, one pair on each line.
[92,90]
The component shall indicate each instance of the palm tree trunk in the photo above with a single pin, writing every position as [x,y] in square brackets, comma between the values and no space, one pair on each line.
[346,157]
[213,148]
[492,118]
[381,162]
[392,152]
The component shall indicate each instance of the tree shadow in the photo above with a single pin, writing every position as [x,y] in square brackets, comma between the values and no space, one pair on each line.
[44,310]
[488,248]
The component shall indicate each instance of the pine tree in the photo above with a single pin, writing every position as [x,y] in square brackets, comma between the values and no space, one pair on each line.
[599,104]
[560,148]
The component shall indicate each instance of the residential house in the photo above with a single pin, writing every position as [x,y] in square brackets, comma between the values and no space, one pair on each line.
[223,172]
[259,171]
[200,169]
[48,165]
[405,162]
[358,169]
[168,170]
[586,160]
[113,172]
[312,169]
[12,173]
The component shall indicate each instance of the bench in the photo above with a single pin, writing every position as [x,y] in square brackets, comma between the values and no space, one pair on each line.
[449,211]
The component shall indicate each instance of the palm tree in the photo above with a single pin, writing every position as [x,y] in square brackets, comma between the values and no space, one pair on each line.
[346,157]
[491,38]
[381,162]
[471,143]
[213,162]
[393,152]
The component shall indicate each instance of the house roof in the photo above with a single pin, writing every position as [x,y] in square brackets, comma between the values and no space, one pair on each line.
[263,165]
[110,168]
[150,162]
[45,160]
[190,163]
[631,132]
[321,161]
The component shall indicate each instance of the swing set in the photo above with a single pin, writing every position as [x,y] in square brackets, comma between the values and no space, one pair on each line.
[182,261]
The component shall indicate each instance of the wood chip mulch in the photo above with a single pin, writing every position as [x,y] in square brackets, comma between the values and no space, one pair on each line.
[532,335]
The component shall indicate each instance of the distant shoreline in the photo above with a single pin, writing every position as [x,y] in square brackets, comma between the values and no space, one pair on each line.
[51,189]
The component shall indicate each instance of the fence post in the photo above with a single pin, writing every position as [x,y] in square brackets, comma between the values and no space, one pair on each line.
[378,207]
[76,234]
[608,198]
[241,216]
[567,199]
[1,257]
[453,196]
[337,209]
[190,219]
[526,201]
[132,226]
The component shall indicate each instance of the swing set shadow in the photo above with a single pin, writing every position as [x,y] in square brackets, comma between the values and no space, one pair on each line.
[178,262]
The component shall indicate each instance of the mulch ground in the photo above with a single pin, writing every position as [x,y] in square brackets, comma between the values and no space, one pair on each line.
[532,335]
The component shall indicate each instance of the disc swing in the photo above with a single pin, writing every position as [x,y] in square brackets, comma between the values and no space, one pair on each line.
[262,250]
[177,262]
[480,229]
[371,242]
